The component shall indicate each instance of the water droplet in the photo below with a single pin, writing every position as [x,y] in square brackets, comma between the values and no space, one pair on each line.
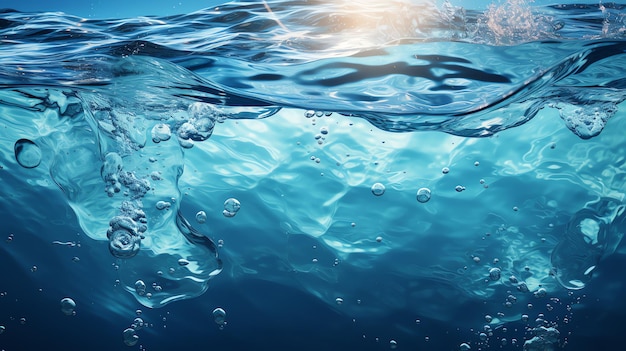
[161,132]
[27,153]
[231,207]
[378,189]
[201,217]
[423,195]
[130,337]
[219,316]
[67,306]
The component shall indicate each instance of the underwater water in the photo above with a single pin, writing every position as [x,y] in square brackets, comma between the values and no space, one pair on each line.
[313,175]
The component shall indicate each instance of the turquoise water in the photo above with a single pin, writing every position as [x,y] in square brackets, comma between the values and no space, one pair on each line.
[314,175]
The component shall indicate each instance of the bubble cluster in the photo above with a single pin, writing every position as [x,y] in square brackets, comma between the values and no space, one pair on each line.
[124,240]
[231,207]
[27,153]
[111,168]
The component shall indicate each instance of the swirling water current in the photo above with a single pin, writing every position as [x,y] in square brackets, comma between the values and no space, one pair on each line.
[377,157]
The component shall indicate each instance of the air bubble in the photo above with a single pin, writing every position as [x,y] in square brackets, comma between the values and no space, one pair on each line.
[130,337]
[378,189]
[163,205]
[161,132]
[494,273]
[201,217]
[445,170]
[231,207]
[464,347]
[27,153]
[219,316]
[339,301]
[140,287]
[324,130]
[459,188]
[423,195]
[124,244]
[67,306]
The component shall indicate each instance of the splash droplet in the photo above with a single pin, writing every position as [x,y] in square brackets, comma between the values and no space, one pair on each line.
[27,153]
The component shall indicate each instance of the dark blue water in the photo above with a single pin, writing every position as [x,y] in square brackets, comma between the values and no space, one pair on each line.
[313,175]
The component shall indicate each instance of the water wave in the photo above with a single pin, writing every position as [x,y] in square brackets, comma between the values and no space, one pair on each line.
[144,123]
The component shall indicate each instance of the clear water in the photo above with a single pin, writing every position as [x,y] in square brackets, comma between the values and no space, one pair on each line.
[314,175]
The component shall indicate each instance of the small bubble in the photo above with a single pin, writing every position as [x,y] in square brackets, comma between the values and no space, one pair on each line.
[353,224]
[22,320]
[182,262]
[318,160]
[140,287]
[515,208]
[324,130]
[27,153]
[378,189]
[445,170]
[393,344]
[219,316]
[2,329]
[339,301]
[161,132]
[309,113]
[494,273]
[423,195]
[163,205]
[130,337]
[201,217]
[464,347]
[67,306]
[476,163]
[379,238]
[476,259]
[459,188]
[231,207]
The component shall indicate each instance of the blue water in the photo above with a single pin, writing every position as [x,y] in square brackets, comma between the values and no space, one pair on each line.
[313,175]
